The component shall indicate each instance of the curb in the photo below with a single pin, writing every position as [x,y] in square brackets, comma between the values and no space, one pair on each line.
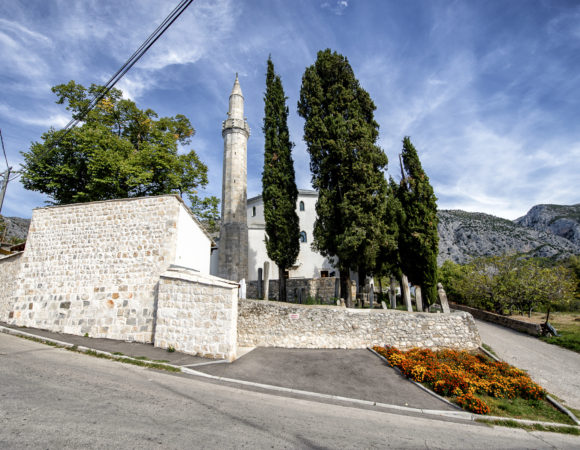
[448,414]
[550,399]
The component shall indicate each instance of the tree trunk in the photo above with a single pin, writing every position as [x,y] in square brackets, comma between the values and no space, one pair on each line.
[282,285]
[345,287]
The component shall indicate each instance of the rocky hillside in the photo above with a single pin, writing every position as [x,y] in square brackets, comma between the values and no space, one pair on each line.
[561,220]
[16,228]
[464,236]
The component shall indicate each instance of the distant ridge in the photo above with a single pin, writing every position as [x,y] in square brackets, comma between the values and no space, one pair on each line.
[547,230]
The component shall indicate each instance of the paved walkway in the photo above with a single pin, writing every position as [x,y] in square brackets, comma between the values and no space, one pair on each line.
[553,367]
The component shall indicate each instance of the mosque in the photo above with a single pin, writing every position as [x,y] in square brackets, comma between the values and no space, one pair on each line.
[241,248]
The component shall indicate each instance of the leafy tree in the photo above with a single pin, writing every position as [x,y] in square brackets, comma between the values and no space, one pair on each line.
[119,151]
[279,190]
[510,283]
[418,237]
[346,164]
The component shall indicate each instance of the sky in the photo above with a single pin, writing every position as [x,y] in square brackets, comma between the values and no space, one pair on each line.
[489,92]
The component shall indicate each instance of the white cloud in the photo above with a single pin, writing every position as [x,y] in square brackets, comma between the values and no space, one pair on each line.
[50,119]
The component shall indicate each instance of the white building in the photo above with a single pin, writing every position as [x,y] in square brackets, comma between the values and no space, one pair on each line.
[309,264]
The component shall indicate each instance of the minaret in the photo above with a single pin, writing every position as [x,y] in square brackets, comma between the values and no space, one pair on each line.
[233,245]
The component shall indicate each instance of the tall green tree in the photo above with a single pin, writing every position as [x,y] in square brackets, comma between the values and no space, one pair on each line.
[347,166]
[418,237]
[119,151]
[279,190]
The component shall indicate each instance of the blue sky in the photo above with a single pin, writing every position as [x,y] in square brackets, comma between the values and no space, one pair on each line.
[487,91]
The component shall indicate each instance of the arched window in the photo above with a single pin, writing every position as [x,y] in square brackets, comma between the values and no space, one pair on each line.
[303,236]
[301,206]
[253,211]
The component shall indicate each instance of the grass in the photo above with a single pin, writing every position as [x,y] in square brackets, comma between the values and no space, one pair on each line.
[532,427]
[140,361]
[566,323]
[489,349]
[528,409]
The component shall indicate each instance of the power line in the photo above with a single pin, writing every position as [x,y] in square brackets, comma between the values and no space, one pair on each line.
[172,17]
[153,37]
[3,149]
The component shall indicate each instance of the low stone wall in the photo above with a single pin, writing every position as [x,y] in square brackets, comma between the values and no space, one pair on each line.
[277,324]
[197,314]
[299,289]
[9,270]
[523,327]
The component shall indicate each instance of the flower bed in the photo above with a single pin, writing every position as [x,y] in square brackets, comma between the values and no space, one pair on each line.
[463,376]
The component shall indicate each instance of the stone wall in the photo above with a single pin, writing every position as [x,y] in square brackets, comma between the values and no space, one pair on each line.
[9,270]
[94,267]
[197,314]
[275,324]
[523,327]
[323,289]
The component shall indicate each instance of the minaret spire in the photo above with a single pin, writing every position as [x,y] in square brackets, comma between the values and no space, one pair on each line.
[233,244]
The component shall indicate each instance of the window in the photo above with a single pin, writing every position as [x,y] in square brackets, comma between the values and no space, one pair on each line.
[324,274]
[253,211]
[302,207]
[303,236]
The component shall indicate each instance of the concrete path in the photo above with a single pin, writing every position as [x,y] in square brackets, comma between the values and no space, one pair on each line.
[554,368]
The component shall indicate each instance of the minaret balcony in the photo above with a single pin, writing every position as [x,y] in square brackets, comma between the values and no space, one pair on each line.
[240,124]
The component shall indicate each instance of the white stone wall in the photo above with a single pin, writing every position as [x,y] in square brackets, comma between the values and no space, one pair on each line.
[94,267]
[9,272]
[197,314]
[274,324]
[309,263]
[193,246]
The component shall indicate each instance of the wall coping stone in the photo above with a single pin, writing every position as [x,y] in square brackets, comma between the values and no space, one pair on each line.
[183,273]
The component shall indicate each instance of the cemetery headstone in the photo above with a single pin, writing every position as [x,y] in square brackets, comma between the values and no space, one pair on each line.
[443,298]
[406,293]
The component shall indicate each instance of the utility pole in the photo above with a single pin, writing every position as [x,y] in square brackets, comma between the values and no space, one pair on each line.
[6,176]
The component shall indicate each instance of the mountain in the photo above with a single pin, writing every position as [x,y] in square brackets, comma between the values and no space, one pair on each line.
[561,220]
[16,228]
[464,236]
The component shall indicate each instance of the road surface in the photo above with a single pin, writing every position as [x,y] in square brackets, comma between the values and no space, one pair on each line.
[52,398]
[554,368]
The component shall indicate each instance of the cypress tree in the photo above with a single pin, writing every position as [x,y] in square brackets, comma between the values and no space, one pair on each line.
[346,164]
[279,190]
[418,237]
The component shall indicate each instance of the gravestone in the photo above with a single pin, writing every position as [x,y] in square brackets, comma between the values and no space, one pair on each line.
[418,298]
[266,280]
[393,294]
[406,293]
[242,290]
[443,298]
[371,292]
[383,304]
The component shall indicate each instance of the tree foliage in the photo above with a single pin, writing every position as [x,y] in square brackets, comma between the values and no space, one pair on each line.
[279,190]
[119,151]
[346,164]
[418,236]
[506,284]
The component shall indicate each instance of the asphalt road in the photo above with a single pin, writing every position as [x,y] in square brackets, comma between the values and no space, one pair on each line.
[554,368]
[52,398]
